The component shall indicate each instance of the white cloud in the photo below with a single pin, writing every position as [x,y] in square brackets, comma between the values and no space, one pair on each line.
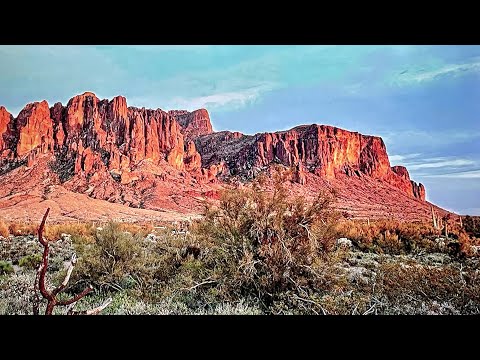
[231,99]
[416,76]
[441,163]
[473,174]
[396,159]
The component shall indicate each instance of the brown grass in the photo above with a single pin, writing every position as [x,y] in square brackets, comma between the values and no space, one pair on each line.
[4,229]
[54,232]
[397,237]
[22,228]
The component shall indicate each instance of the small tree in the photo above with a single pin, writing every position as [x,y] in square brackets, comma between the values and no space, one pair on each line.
[270,240]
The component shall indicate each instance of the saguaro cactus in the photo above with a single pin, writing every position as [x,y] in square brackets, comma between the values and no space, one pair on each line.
[434,219]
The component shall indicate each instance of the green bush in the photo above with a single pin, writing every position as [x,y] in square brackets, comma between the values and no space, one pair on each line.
[110,259]
[5,267]
[263,244]
[31,261]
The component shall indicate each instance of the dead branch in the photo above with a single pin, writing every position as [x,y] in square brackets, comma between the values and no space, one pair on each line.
[51,296]
[371,310]
[93,311]
[200,284]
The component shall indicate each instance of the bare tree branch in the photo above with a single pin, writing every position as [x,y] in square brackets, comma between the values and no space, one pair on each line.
[98,309]
[51,297]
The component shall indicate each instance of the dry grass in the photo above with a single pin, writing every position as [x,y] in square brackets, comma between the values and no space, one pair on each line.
[424,289]
[22,228]
[4,229]
[396,237]
[54,231]
[137,229]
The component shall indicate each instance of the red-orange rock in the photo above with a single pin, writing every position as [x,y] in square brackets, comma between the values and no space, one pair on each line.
[57,115]
[105,146]
[34,128]
[192,159]
[324,150]
[6,133]
[193,123]
[402,181]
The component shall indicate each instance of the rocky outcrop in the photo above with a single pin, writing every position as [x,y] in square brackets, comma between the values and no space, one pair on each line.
[193,123]
[402,181]
[97,135]
[33,129]
[108,141]
[323,150]
[7,141]
[418,190]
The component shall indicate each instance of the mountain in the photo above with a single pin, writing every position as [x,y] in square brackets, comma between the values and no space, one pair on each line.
[172,161]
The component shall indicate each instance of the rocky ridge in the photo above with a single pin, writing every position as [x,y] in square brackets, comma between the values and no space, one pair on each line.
[144,158]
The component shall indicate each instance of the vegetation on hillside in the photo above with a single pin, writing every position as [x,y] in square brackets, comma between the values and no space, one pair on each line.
[254,252]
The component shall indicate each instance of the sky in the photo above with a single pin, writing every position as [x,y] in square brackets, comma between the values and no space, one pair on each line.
[423,100]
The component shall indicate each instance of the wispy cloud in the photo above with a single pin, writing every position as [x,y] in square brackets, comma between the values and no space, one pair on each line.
[441,162]
[443,166]
[398,159]
[471,174]
[469,211]
[234,99]
[415,75]
[428,139]
[215,101]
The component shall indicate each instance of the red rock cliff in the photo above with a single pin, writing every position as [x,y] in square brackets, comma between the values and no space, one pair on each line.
[6,133]
[324,150]
[193,123]
[90,136]
[98,134]
[403,182]
[34,128]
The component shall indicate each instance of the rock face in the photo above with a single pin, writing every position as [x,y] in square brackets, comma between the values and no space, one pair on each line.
[323,150]
[6,133]
[108,144]
[402,181]
[193,123]
[118,136]
[34,129]
[98,135]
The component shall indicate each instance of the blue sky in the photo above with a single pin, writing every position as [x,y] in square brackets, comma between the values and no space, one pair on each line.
[423,100]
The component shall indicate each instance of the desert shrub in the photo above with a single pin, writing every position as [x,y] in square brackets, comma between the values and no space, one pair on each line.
[22,228]
[389,242]
[5,267]
[420,289]
[393,237]
[141,230]
[471,225]
[55,231]
[264,243]
[16,293]
[110,259]
[4,229]
[31,261]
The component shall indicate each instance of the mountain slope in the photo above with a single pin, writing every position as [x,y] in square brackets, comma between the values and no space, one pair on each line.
[158,160]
